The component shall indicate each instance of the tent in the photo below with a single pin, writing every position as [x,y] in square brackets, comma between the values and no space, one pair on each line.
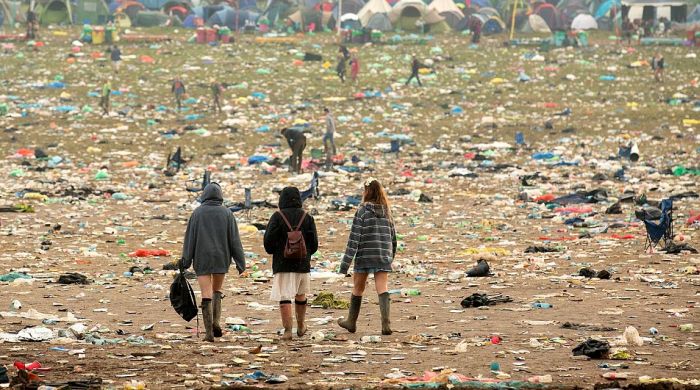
[550,14]
[90,12]
[489,11]
[408,15]
[673,10]
[535,23]
[178,8]
[6,14]
[694,17]
[278,10]
[150,19]
[348,7]
[54,12]
[584,22]
[129,7]
[380,22]
[122,20]
[232,18]
[372,8]
[490,24]
[309,16]
[350,22]
[448,10]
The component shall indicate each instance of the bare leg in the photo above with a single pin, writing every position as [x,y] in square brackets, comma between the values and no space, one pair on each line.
[381,280]
[205,285]
[359,281]
[300,309]
[286,313]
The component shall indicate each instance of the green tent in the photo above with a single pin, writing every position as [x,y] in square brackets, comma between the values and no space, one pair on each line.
[90,12]
[54,12]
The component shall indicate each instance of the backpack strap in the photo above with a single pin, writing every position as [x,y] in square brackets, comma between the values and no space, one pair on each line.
[303,217]
[284,217]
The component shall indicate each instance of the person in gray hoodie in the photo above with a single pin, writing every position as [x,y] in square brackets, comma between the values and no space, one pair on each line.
[211,241]
[372,245]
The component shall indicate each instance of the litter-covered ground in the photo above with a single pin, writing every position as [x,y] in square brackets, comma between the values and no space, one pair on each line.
[507,155]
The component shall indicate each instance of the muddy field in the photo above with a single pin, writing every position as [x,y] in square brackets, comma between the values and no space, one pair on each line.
[459,153]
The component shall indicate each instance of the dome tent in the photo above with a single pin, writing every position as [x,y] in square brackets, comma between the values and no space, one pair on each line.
[584,22]
[54,12]
[448,10]
[373,7]
[379,22]
[408,15]
[535,24]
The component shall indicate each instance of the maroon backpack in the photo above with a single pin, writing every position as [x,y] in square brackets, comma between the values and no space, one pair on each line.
[295,248]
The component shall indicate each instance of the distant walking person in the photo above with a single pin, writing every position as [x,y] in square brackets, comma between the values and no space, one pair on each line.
[415,68]
[328,138]
[354,68]
[297,142]
[178,88]
[657,65]
[291,274]
[476,30]
[216,91]
[211,242]
[341,68]
[104,96]
[372,245]
[116,57]
[31,24]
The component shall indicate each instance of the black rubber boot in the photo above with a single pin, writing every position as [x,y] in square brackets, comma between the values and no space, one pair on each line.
[216,313]
[208,319]
[350,323]
[384,305]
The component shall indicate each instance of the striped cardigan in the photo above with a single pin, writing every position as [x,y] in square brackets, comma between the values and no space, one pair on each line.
[372,241]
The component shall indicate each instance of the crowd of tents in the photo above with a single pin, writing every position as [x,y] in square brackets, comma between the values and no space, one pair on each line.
[317,15]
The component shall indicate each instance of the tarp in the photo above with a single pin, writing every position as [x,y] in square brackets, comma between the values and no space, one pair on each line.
[90,12]
[584,22]
[606,6]
[6,13]
[535,23]
[122,20]
[278,10]
[54,12]
[373,7]
[694,17]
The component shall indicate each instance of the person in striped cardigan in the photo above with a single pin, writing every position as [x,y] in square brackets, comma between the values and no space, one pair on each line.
[372,246]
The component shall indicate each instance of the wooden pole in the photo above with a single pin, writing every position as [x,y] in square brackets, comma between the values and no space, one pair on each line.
[512,19]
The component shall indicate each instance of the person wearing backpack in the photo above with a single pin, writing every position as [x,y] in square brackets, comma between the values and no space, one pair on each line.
[211,241]
[291,239]
[372,245]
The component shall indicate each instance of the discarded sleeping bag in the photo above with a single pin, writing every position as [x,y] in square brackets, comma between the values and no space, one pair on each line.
[182,297]
[594,349]
[594,196]
[312,57]
[478,300]
[73,278]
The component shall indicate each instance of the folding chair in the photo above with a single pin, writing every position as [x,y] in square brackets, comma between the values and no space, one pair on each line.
[206,179]
[663,230]
[174,163]
[313,191]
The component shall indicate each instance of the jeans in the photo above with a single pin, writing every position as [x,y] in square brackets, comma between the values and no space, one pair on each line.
[297,153]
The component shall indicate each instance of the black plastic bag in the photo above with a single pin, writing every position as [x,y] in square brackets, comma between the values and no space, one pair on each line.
[73,278]
[182,297]
[594,349]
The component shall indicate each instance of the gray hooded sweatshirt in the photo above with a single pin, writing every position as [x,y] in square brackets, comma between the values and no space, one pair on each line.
[212,239]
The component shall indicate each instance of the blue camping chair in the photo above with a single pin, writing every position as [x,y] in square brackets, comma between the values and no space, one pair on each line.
[313,191]
[663,230]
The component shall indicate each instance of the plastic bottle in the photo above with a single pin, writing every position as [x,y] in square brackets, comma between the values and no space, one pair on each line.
[410,292]
[653,331]
[615,375]
[371,339]
[542,305]
[240,328]
[540,379]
